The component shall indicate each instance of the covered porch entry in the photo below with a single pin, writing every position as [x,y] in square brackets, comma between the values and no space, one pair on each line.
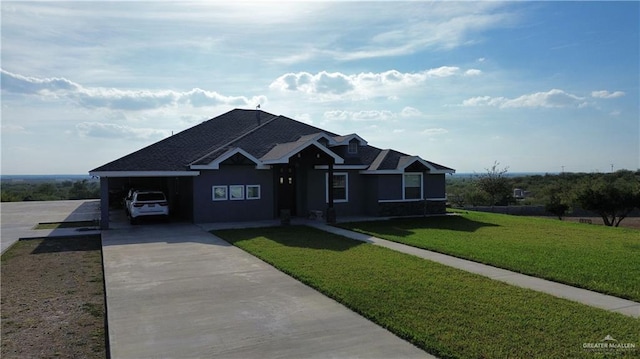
[296,183]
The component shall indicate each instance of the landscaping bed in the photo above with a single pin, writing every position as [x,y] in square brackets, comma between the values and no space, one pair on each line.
[52,299]
[599,258]
[445,311]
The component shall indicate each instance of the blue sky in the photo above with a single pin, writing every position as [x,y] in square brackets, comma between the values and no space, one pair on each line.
[533,85]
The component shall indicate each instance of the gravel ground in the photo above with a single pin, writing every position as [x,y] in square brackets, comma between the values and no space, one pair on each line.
[52,299]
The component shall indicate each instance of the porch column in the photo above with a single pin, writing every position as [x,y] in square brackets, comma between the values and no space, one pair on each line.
[331,212]
[104,202]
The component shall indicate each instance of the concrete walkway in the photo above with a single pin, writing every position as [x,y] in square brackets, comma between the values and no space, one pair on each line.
[584,296]
[176,291]
[18,219]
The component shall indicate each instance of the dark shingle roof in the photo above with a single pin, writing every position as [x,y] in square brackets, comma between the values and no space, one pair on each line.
[175,153]
[203,143]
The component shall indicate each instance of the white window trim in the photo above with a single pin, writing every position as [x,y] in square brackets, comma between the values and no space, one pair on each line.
[251,186]
[346,190]
[421,185]
[239,186]
[213,193]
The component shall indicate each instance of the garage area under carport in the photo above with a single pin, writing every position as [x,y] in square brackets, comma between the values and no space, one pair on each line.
[177,187]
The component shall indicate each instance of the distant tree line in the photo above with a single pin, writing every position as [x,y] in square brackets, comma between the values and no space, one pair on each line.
[611,196]
[49,190]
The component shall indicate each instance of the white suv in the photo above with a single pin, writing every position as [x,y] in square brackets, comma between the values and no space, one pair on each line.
[141,203]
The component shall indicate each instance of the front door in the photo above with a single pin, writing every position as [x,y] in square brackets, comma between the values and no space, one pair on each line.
[286,188]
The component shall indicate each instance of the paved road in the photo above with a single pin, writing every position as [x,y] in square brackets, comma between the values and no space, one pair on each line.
[17,219]
[176,291]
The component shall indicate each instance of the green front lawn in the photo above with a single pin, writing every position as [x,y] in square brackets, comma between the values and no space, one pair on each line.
[599,258]
[445,311]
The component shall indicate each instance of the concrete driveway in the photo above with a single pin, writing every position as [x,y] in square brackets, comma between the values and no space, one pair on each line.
[18,219]
[176,291]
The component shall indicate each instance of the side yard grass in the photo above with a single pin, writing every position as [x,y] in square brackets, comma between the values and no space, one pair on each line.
[445,311]
[598,258]
[52,299]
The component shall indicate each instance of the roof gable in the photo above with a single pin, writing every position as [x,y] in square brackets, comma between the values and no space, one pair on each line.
[282,152]
[260,137]
[344,140]
[391,161]
[221,156]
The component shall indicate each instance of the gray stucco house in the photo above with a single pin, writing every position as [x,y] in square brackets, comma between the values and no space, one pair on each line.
[252,165]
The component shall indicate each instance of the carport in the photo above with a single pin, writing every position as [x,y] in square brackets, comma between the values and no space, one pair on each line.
[177,186]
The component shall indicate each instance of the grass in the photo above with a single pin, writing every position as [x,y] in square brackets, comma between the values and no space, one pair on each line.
[70,224]
[445,311]
[51,304]
[598,258]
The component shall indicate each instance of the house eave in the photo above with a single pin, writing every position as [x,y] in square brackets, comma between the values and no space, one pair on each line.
[400,171]
[144,173]
[342,167]
[217,167]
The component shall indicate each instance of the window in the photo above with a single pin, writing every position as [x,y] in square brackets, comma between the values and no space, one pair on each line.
[412,185]
[236,192]
[219,193]
[353,146]
[340,183]
[253,191]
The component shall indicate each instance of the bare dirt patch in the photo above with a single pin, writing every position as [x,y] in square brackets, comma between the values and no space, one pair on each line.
[629,222]
[52,299]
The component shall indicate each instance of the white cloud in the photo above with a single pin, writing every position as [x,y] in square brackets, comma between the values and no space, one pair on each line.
[483,101]
[553,98]
[407,114]
[473,72]
[132,100]
[109,130]
[439,25]
[444,71]
[335,85]
[434,131]
[607,94]
[410,112]
[11,129]
[29,85]
[359,116]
